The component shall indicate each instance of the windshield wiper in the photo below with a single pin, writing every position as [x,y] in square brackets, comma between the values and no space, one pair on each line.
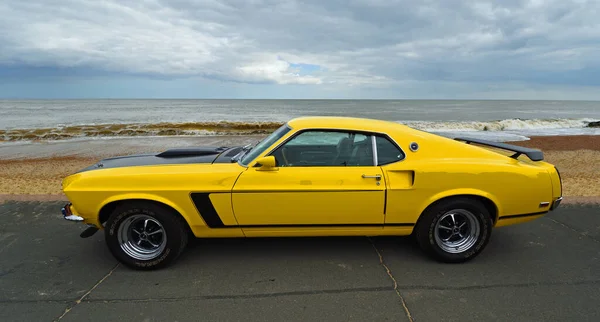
[245,149]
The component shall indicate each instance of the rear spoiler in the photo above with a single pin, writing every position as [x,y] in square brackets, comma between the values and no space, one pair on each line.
[532,154]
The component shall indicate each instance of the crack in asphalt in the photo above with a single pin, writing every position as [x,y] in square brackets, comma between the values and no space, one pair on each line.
[389,273]
[7,245]
[492,286]
[6,212]
[579,232]
[214,297]
[245,296]
[69,308]
[296,293]
[49,301]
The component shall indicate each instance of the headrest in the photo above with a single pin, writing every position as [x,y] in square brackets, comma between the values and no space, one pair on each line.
[344,144]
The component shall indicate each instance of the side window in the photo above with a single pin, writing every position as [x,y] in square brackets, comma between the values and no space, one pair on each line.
[326,148]
[387,152]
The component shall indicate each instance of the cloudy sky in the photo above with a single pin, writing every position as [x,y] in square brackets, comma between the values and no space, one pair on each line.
[521,49]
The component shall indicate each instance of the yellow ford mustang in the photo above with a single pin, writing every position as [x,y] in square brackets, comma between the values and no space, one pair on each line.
[315,176]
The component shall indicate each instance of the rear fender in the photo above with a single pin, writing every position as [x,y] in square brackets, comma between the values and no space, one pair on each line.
[463,192]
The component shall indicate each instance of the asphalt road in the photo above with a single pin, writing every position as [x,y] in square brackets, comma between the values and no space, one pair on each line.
[545,270]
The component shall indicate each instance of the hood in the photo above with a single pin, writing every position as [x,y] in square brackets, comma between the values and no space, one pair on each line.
[173,156]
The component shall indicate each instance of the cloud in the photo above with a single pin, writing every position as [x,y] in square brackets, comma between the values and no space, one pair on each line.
[278,71]
[352,43]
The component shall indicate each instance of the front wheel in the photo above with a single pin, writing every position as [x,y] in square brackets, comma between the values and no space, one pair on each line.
[454,230]
[145,236]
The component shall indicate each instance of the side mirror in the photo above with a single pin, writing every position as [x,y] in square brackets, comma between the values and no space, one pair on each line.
[266,163]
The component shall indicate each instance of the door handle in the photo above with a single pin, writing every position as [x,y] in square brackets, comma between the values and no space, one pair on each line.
[376,177]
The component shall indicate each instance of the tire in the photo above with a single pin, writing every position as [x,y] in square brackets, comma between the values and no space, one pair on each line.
[145,236]
[439,235]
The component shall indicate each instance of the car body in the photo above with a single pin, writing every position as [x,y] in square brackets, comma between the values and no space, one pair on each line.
[317,176]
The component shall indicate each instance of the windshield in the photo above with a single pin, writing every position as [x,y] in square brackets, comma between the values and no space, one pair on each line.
[264,144]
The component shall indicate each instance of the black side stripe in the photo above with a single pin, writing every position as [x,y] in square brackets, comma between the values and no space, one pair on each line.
[211,217]
[207,210]
[323,225]
[399,224]
[305,190]
[523,215]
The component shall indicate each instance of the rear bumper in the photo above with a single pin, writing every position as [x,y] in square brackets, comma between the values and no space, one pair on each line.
[556,203]
[69,215]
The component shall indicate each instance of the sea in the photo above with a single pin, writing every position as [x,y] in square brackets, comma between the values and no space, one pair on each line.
[30,122]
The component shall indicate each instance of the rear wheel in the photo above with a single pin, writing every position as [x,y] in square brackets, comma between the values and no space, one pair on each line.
[454,230]
[145,235]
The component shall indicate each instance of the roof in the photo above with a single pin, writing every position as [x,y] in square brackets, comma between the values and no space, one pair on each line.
[346,123]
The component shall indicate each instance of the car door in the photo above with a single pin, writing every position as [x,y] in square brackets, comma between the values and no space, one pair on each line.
[322,179]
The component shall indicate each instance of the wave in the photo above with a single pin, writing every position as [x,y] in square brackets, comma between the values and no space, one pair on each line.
[501,125]
[253,128]
[137,129]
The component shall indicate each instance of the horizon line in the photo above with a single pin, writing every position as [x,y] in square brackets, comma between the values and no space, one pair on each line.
[297,99]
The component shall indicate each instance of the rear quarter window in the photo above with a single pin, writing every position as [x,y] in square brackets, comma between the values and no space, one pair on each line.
[387,151]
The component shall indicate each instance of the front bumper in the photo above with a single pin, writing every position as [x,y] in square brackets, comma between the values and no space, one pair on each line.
[556,203]
[68,214]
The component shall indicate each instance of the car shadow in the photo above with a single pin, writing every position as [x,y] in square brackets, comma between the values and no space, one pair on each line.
[283,247]
[501,246]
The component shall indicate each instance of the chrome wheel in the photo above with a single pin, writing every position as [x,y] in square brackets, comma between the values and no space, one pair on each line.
[142,237]
[457,231]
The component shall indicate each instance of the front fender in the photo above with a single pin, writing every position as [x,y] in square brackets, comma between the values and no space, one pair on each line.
[143,196]
[91,209]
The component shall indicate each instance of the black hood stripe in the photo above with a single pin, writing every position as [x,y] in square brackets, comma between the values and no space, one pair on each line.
[170,157]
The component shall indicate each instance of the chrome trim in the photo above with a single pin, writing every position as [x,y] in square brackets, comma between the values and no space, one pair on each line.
[559,180]
[556,203]
[374,147]
[68,214]
[544,204]
[376,177]
[414,146]
[73,218]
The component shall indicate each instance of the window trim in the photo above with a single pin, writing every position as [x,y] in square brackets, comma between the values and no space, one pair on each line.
[366,133]
[374,147]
